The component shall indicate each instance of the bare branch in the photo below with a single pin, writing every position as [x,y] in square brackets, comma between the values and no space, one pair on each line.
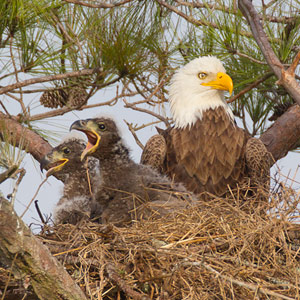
[32,199]
[229,10]
[250,87]
[100,5]
[131,129]
[36,204]
[285,78]
[16,75]
[147,111]
[68,37]
[13,195]
[48,78]
[192,20]
[62,111]
[16,133]
[283,135]
[292,68]
[8,173]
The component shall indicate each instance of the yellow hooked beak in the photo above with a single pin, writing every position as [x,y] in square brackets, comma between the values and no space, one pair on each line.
[222,82]
[57,168]
[92,144]
[54,164]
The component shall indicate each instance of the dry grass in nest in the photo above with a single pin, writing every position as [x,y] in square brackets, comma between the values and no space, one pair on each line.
[214,251]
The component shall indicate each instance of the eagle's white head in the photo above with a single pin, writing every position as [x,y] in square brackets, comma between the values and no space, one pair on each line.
[197,87]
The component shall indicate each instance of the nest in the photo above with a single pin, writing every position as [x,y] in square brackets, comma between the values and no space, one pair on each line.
[214,251]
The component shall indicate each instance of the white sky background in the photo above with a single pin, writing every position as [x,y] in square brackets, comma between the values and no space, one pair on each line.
[51,190]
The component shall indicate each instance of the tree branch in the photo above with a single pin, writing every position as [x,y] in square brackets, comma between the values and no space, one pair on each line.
[100,5]
[285,78]
[250,87]
[284,134]
[62,111]
[20,84]
[16,134]
[229,10]
[147,111]
[31,258]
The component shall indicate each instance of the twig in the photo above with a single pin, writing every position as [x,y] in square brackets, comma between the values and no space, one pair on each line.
[9,276]
[134,135]
[20,84]
[86,165]
[14,192]
[4,108]
[17,77]
[62,111]
[16,135]
[39,211]
[113,275]
[250,87]
[194,21]
[294,64]
[38,189]
[67,36]
[285,78]
[234,51]
[249,286]
[8,173]
[229,10]
[132,106]
[137,128]
[100,5]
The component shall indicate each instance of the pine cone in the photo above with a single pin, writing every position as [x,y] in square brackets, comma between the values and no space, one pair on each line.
[77,96]
[54,98]
[280,109]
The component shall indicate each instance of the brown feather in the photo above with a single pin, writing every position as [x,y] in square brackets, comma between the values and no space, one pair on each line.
[207,156]
[155,152]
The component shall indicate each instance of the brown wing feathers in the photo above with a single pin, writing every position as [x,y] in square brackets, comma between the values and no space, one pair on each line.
[207,156]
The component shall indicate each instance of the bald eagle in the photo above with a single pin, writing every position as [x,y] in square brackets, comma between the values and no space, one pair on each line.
[77,198]
[128,190]
[206,150]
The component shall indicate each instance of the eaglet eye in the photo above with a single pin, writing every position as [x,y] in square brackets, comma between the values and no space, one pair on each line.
[202,75]
[102,126]
[66,150]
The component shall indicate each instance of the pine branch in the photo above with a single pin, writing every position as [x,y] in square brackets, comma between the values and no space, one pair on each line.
[62,111]
[100,5]
[19,135]
[27,82]
[229,10]
[250,87]
[285,78]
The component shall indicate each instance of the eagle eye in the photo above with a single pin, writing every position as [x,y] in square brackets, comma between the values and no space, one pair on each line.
[66,150]
[102,126]
[202,75]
